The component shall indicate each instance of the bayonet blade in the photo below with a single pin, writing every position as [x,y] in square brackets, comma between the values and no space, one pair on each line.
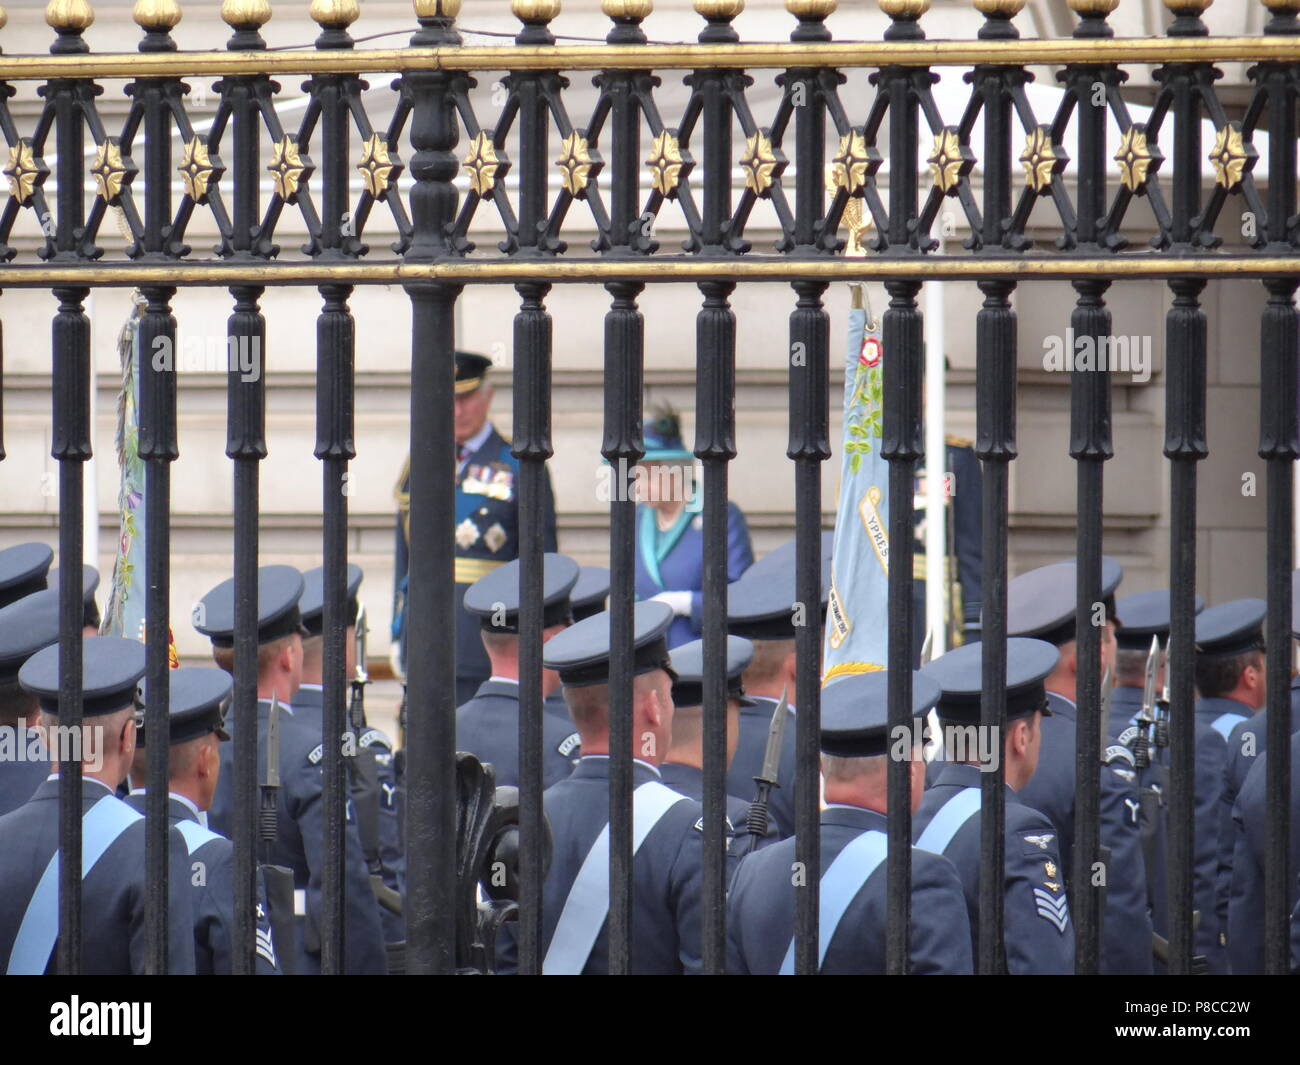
[1149,680]
[271,766]
[775,737]
[927,648]
[1107,684]
[362,630]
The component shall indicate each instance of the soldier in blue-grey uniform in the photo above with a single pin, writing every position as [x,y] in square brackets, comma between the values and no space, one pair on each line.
[684,768]
[1232,684]
[763,607]
[856,748]
[1038,936]
[112,833]
[488,725]
[198,700]
[964,537]
[26,626]
[23,570]
[591,594]
[670,528]
[1248,740]
[1143,616]
[487,517]
[1041,604]
[90,618]
[373,787]
[300,807]
[1251,816]
[667,869]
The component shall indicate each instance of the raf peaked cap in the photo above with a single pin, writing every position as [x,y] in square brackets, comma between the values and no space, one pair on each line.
[1231,628]
[580,654]
[111,667]
[958,673]
[495,597]
[855,712]
[1041,603]
[1143,615]
[760,605]
[312,604]
[198,698]
[591,592]
[279,588]
[471,369]
[89,582]
[688,664]
[27,626]
[22,571]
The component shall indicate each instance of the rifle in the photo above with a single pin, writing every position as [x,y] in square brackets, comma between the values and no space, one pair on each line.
[756,823]
[363,776]
[278,879]
[1146,716]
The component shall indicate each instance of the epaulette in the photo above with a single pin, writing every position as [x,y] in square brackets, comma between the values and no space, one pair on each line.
[957,441]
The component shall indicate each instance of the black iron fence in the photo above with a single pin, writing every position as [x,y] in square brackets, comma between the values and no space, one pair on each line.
[162,174]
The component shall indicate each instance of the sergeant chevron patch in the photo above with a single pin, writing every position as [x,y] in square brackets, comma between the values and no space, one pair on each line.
[1052,910]
[265,947]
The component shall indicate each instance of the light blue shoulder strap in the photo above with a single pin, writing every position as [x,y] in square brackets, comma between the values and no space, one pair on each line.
[949,820]
[1225,723]
[586,907]
[101,826]
[195,835]
[840,885]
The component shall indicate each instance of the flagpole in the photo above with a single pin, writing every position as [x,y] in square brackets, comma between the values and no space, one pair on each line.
[936,544]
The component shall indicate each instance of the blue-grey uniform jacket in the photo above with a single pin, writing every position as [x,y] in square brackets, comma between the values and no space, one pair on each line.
[1038,933]
[667,874]
[112,892]
[488,727]
[1126,941]
[689,780]
[19,778]
[487,534]
[1215,720]
[309,711]
[212,877]
[747,763]
[761,905]
[1248,740]
[1153,794]
[300,844]
[1246,900]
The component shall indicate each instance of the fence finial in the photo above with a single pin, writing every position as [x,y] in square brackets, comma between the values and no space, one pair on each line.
[905,14]
[627,16]
[998,15]
[535,14]
[811,14]
[245,14]
[334,14]
[1092,15]
[69,16]
[719,14]
[157,16]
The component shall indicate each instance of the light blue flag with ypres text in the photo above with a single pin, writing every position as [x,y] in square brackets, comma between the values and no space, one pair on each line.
[857,629]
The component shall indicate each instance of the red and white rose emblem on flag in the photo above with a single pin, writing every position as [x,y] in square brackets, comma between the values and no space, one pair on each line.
[871,351]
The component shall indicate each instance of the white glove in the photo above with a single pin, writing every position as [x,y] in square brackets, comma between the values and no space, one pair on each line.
[678,602]
[395,660]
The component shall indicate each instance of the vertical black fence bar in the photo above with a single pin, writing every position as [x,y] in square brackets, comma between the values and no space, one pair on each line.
[157,449]
[246,446]
[715,446]
[532,446]
[995,446]
[1185,354]
[623,446]
[431,600]
[335,354]
[1279,336]
[1278,447]
[901,446]
[809,447]
[1090,446]
[72,447]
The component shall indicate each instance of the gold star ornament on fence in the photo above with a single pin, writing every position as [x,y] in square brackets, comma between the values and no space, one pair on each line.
[665,163]
[576,164]
[1135,158]
[1228,156]
[25,172]
[378,168]
[109,170]
[289,168]
[198,170]
[481,164]
[1040,159]
[760,164]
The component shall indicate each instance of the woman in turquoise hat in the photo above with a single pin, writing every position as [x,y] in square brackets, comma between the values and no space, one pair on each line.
[670,528]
